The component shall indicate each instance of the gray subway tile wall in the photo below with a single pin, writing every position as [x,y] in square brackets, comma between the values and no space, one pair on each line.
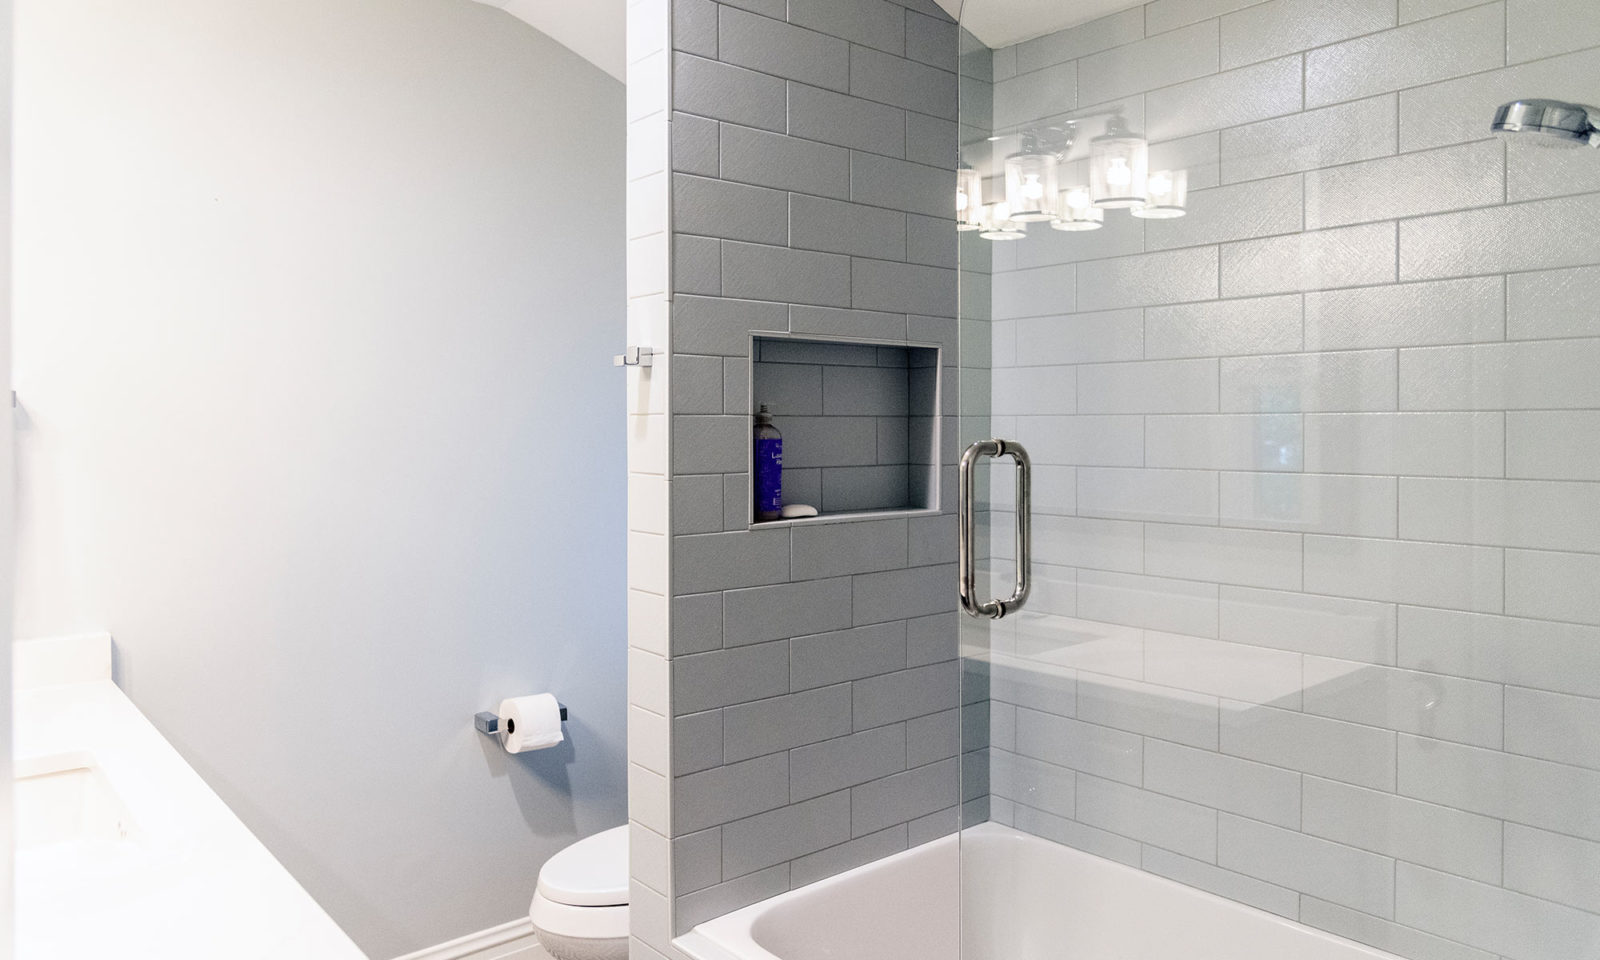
[813,697]
[1316,540]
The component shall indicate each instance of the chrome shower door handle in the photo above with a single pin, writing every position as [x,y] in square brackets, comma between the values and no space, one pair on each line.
[968,534]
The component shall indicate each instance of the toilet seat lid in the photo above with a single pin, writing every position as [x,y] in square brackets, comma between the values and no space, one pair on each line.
[590,873]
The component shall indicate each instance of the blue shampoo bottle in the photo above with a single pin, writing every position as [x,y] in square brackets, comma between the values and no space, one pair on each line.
[769,467]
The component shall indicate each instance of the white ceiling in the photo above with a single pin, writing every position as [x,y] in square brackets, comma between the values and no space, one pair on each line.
[1000,23]
[594,29]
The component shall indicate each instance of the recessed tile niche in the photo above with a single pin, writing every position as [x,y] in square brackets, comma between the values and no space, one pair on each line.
[859,423]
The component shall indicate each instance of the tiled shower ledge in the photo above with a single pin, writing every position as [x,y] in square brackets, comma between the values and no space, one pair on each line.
[847,516]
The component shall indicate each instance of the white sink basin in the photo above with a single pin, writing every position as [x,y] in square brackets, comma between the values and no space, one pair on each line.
[66,798]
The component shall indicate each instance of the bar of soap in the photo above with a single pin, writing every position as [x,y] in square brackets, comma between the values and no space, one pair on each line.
[792,511]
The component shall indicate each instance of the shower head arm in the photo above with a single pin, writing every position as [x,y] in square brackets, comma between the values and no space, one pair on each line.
[1591,114]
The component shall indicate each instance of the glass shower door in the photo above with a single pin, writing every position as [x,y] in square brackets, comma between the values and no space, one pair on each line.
[1306,359]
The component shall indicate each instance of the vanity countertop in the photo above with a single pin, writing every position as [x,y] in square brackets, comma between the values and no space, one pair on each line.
[173,874]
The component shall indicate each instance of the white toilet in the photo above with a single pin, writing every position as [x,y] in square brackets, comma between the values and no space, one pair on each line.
[580,908]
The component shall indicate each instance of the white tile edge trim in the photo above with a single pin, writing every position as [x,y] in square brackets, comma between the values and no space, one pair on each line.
[512,940]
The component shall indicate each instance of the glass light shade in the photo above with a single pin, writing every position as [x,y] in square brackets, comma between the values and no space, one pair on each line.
[1119,166]
[1169,194]
[1031,186]
[1078,212]
[998,224]
[969,199]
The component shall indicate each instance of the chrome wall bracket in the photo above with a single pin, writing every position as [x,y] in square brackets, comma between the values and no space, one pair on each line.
[633,357]
[487,722]
[968,533]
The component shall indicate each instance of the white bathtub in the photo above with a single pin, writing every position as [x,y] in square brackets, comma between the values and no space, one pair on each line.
[1020,898]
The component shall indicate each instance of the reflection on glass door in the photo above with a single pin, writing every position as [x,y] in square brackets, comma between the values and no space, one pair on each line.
[1295,317]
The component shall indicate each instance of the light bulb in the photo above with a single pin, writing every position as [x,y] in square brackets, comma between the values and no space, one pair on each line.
[1077,212]
[1119,162]
[969,198]
[1031,182]
[1168,195]
[998,225]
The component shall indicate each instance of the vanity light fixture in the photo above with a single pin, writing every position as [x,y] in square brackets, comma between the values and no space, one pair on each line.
[1169,195]
[999,225]
[1078,212]
[1042,185]
[969,198]
[1031,182]
[1119,163]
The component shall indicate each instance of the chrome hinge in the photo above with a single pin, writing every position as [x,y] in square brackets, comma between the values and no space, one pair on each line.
[633,357]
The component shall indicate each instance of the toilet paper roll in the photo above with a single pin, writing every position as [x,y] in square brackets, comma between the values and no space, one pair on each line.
[530,723]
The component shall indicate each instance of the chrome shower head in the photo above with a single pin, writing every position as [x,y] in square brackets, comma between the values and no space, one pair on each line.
[1559,124]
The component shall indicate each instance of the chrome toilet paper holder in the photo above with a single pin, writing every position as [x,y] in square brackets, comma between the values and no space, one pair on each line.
[487,722]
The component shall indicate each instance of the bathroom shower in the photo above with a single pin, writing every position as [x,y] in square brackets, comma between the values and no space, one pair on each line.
[1302,357]
[1558,123]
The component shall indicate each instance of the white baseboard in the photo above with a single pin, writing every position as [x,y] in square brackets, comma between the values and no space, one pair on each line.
[508,941]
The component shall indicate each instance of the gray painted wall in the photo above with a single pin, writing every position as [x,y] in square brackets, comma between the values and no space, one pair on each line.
[317,304]
[814,687]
